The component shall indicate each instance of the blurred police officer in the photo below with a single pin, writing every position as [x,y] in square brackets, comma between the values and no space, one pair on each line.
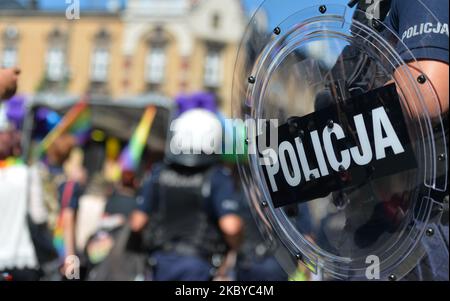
[188,203]
[256,257]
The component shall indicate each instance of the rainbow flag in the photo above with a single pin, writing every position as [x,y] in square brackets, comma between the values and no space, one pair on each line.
[58,232]
[132,153]
[77,121]
[82,126]
[58,240]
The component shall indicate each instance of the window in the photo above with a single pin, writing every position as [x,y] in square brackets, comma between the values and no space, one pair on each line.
[213,69]
[9,52]
[100,64]
[100,61]
[215,21]
[55,64]
[156,65]
[9,58]
[55,60]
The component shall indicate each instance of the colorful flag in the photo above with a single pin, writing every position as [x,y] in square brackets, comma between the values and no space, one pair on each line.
[77,121]
[132,153]
[58,232]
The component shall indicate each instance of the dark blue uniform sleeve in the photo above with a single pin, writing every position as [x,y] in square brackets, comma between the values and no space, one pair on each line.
[147,196]
[223,194]
[422,28]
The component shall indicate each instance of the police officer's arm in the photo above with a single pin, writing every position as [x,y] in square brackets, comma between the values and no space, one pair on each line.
[437,73]
[226,208]
[231,226]
[138,220]
[139,217]
[429,46]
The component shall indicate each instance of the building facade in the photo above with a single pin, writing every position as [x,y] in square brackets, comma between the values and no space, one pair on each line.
[145,46]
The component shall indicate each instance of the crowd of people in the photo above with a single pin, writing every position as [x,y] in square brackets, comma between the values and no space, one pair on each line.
[186,218]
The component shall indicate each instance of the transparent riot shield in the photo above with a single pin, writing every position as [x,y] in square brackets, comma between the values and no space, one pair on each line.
[348,130]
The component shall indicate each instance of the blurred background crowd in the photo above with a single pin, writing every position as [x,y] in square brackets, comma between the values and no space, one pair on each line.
[83,143]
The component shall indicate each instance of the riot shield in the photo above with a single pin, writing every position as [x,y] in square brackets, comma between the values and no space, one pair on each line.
[342,124]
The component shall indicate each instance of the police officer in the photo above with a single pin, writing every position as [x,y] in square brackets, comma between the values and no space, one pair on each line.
[427,39]
[188,203]
[256,258]
[428,42]
[429,46]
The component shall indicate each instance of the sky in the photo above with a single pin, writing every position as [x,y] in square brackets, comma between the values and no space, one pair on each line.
[61,4]
[277,10]
[273,6]
[250,5]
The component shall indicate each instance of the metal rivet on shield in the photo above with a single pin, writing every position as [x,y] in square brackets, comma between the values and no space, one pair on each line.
[429,232]
[441,157]
[322,9]
[277,30]
[446,200]
[392,277]
[298,256]
[293,127]
[421,79]
[301,133]
[376,24]
[251,79]
[264,204]
[330,124]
